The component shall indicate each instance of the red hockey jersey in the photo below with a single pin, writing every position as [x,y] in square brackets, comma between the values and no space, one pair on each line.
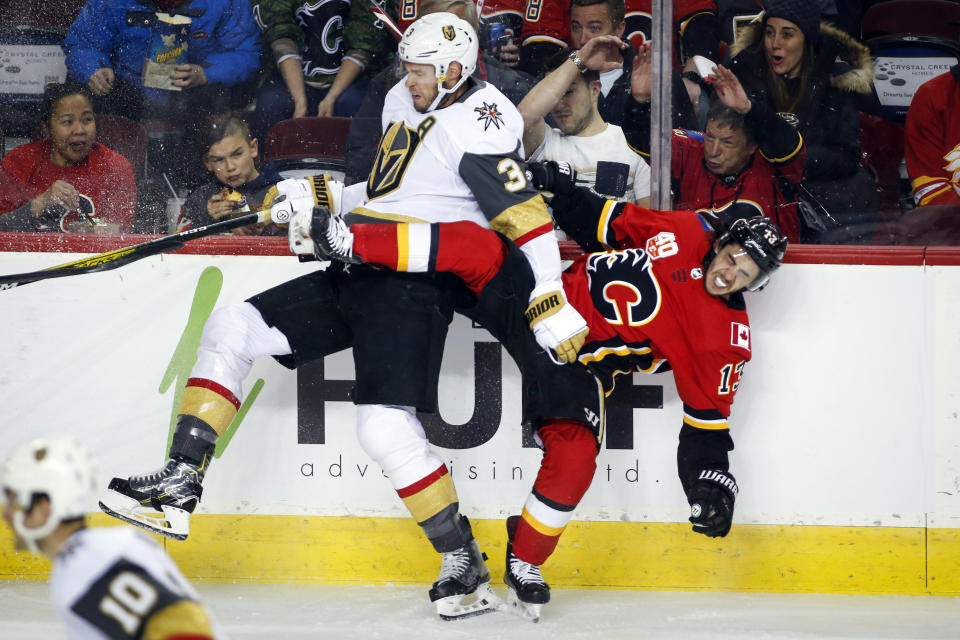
[648,310]
[533,20]
[639,21]
[932,141]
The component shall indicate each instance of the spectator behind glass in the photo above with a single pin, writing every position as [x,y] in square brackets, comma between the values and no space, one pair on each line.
[325,54]
[237,186]
[215,49]
[932,141]
[747,155]
[816,77]
[596,150]
[536,32]
[50,175]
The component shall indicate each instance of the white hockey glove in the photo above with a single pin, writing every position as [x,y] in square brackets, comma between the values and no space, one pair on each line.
[557,326]
[293,204]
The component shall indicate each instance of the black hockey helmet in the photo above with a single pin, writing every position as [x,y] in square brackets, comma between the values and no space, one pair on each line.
[762,241]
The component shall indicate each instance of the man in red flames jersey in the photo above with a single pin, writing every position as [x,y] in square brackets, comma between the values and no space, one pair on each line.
[659,290]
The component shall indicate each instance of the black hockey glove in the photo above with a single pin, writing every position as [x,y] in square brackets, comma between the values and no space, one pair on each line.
[711,501]
[557,177]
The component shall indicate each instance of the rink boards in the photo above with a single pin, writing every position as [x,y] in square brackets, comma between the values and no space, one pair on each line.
[848,451]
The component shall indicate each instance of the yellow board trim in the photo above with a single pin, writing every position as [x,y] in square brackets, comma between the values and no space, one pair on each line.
[621,555]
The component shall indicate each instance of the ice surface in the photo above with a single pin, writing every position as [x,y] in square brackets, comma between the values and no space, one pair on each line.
[404,612]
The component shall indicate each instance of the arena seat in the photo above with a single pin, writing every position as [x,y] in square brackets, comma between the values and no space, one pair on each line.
[307,146]
[125,136]
[934,18]
[881,151]
[912,41]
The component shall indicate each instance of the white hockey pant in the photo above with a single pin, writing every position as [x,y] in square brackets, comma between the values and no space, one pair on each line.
[394,438]
[232,339]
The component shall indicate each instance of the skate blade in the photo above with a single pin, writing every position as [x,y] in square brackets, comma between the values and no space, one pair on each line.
[525,610]
[481,601]
[171,522]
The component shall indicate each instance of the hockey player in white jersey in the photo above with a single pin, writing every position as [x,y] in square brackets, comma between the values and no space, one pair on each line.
[450,152]
[106,582]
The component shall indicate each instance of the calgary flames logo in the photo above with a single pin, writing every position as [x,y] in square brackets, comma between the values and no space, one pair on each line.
[623,287]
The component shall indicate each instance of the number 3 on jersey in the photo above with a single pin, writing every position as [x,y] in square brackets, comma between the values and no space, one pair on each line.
[515,178]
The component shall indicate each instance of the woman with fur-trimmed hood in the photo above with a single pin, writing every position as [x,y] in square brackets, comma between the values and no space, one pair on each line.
[815,76]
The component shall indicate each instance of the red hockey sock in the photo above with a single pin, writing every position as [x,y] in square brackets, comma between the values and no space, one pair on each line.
[567,469]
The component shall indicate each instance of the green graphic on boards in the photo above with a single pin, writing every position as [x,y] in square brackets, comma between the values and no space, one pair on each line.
[185,356]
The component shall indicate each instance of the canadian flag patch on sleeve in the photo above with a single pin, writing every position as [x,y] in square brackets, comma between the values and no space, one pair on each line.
[740,335]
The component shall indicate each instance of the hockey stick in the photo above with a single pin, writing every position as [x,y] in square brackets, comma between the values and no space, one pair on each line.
[126,255]
[381,15]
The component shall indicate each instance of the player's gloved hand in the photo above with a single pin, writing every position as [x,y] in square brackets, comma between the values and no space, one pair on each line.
[556,177]
[287,198]
[301,194]
[298,233]
[557,326]
[711,501]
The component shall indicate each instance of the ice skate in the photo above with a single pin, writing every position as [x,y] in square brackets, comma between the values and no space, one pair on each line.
[331,236]
[463,588]
[527,590]
[160,502]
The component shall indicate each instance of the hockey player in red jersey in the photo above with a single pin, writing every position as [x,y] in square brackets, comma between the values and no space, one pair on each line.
[932,141]
[659,291]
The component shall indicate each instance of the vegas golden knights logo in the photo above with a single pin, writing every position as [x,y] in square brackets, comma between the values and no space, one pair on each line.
[397,147]
[449,33]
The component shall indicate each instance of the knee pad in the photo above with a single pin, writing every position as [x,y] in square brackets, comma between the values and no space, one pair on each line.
[232,339]
[394,438]
[569,462]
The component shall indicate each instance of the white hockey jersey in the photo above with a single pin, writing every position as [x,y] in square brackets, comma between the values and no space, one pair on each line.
[117,583]
[458,163]
[461,162]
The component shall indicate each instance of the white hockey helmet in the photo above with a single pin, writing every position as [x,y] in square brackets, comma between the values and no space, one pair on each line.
[439,39]
[58,467]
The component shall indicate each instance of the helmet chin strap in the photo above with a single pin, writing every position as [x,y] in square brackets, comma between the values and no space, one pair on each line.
[31,536]
[442,91]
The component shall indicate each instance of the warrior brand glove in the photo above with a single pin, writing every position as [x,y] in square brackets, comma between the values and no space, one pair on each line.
[711,501]
[289,197]
[556,177]
[556,325]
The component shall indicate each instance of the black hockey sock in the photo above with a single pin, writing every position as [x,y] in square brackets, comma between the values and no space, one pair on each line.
[447,530]
[193,442]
